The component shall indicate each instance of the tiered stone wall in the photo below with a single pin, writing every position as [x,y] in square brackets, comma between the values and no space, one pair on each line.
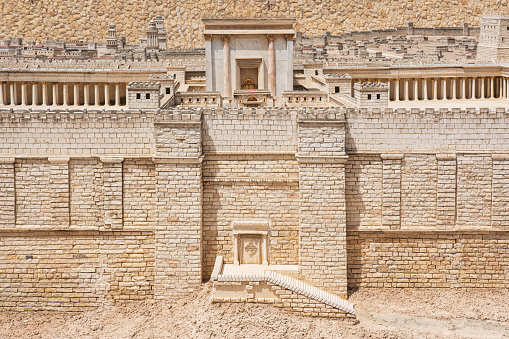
[98,222]
[57,20]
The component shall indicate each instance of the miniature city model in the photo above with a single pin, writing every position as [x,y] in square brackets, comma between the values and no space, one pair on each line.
[285,168]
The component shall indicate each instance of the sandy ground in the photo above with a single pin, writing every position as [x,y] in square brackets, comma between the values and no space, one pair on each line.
[383,313]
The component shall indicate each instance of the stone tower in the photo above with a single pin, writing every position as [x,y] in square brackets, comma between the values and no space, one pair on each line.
[493,44]
[112,41]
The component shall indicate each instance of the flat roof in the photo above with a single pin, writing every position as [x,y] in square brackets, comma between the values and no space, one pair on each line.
[249,26]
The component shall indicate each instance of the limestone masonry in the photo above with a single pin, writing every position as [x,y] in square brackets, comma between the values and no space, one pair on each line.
[287,169]
[41,20]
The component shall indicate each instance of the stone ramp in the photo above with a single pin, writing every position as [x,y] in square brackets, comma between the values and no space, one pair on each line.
[282,291]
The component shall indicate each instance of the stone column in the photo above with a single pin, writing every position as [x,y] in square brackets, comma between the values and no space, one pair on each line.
[34,94]
[45,93]
[55,94]
[483,94]
[2,100]
[76,101]
[453,83]
[406,90]
[272,65]
[504,88]
[474,88]
[208,62]
[492,88]
[322,219]
[391,191]
[65,91]
[444,89]
[435,89]
[464,88]
[96,94]
[416,89]
[227,86]
[60,196]
[106,94]
[13,94]
[396,92]
[86,92]
[117,94]
[289,56]
[425,96]
[24,99]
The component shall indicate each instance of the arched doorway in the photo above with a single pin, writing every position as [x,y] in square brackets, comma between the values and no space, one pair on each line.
[252,102]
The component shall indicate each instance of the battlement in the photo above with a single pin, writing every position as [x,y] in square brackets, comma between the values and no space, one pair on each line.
[374,86]
[425,113]
[144,85]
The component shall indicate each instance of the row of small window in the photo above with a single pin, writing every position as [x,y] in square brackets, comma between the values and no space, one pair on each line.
[138,96]
[370,96]
[304,99]
[190,100]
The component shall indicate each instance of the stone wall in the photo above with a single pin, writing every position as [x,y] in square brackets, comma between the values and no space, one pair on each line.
[79,228]
[44,19]
[428,259]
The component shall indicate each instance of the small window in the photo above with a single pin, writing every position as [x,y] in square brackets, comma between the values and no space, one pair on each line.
[378,96]
[369,96]
[336,89]
[147,96]
[316,72]
[138,96]
[168,90]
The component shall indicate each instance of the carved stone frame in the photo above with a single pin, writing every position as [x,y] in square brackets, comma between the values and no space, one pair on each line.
[250,227]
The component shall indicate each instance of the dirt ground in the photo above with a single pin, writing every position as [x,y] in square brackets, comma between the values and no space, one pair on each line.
[382,313]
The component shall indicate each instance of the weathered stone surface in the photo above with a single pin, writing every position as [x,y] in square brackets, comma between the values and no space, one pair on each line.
[88,20]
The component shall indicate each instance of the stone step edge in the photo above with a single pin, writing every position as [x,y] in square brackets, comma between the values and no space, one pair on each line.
[296,286]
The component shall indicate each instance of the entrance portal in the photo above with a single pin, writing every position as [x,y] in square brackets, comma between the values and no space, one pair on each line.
[250,242]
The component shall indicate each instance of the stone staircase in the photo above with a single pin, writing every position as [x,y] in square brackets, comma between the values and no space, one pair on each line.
[280,290]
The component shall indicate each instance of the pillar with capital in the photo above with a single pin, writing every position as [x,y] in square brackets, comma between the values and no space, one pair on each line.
[396,91]
[483,94]
[435,89]
[272,65]
[406,90]
[425,86]
[96,94]
[453,84]
[117,94]
[34,94]
[289,56]
[208,63]
[474,88]
[492,87]
[13,93]
[65,91]
[86,94]
[106,94]
[55,94]
[444,88]
[227,66]
[76,95]
[2,100]
[464,88]
[45,93]
[416,89]
[24,99]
